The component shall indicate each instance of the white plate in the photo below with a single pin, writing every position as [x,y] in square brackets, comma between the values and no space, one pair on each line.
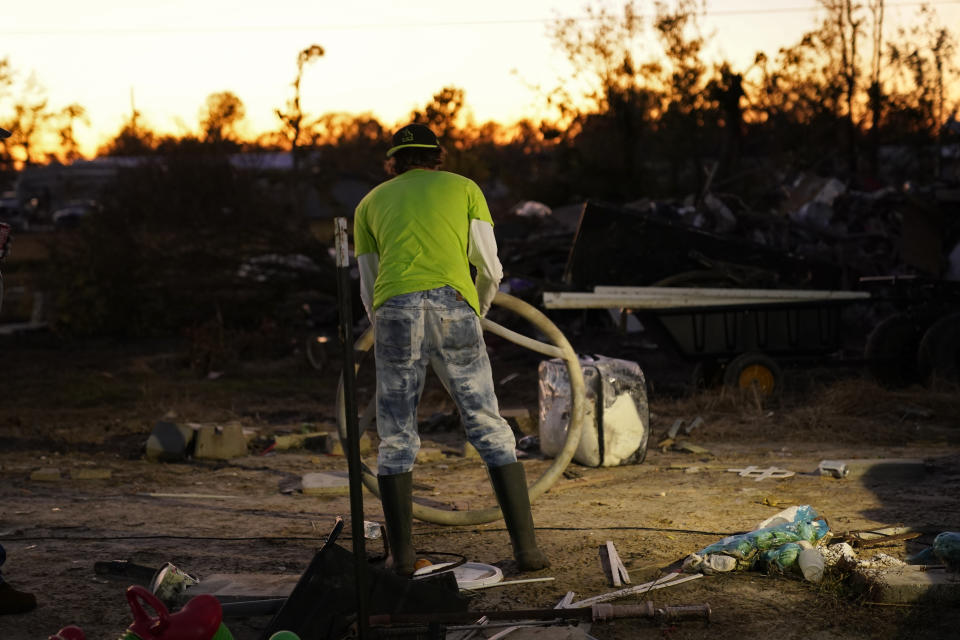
[469,575]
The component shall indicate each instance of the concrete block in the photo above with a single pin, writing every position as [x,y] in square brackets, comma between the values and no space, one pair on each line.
[90,474]
[47,474]
[430,454]
[220,442]
[316,441]
[325,483]
[169,441]
[886,469]
[335,447]
[911,583]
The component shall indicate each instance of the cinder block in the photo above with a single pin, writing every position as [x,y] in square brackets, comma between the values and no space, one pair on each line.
[47,474]
[220,442]
[335,447]
[316,441]
[90,474]
[430,454]
[911,583]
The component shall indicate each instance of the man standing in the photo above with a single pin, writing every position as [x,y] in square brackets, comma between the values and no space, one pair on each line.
[415,237]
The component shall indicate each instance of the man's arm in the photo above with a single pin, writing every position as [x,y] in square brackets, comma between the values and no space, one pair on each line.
[482,253]
[369,264]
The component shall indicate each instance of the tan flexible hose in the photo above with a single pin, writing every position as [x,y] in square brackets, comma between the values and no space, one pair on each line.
[561,347]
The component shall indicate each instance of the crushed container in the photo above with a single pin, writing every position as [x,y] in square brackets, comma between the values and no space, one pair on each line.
[617,418]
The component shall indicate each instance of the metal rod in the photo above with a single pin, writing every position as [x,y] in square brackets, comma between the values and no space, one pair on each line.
[599,613]
[352,445]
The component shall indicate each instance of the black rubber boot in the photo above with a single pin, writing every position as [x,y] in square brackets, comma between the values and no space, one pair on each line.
[510,484]
[397,500]
[13,601]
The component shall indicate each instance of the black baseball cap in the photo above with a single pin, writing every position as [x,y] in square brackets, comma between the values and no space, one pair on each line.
[4,133]
[414,135]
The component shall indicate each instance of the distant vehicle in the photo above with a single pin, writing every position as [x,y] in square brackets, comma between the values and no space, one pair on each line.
[71,215]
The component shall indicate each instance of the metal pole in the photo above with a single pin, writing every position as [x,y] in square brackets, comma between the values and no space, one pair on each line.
[352,445]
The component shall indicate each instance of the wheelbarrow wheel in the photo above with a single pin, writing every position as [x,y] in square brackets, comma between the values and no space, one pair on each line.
[938,356]
[754,371]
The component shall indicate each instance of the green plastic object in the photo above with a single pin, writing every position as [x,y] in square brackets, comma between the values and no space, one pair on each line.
[946,547]
[761,547]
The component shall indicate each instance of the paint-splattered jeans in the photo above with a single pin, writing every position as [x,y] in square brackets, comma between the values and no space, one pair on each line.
[438,327]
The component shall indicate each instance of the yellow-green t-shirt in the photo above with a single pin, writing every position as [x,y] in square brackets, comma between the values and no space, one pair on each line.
[418,223]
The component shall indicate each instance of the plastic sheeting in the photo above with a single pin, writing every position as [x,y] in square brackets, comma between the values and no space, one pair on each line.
[773,547]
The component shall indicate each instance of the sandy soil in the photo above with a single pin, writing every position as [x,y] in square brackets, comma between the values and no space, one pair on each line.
[92,408]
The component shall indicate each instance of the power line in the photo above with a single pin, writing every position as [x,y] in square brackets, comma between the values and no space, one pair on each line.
[125,31]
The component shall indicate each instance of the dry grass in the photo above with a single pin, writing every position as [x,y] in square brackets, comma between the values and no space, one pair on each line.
[845,411]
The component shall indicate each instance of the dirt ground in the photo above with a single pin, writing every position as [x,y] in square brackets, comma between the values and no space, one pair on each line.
[92,407]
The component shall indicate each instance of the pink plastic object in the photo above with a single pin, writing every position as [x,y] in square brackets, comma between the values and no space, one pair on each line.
[69,633]
[199,619]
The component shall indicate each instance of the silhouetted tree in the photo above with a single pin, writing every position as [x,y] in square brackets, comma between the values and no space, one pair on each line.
[220,115]
[292,116]
[922,59]
[30,114]
[67,119]
[607,105]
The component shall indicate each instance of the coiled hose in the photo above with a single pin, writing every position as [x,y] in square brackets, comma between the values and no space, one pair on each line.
[560,348]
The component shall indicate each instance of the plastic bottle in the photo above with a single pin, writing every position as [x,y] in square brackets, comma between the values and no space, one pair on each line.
[811,562]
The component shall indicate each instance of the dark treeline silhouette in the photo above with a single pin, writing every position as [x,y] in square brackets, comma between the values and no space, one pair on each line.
[639,117]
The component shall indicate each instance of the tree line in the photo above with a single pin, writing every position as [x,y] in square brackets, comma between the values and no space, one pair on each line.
[638,114]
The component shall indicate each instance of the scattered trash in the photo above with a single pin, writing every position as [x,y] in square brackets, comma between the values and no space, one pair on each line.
[169,442]
[675,428]
[689,447]
[772,546]
[70,632]
[762,474]
[670,580]
[372,530]
[694,424]
[810,561]
[506,583]
[469,575]
[709,564]
[170,583]
[200,617]
[612,565]
[833,468]
[529,443]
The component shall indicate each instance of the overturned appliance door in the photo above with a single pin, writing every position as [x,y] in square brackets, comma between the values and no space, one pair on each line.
[617,421]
